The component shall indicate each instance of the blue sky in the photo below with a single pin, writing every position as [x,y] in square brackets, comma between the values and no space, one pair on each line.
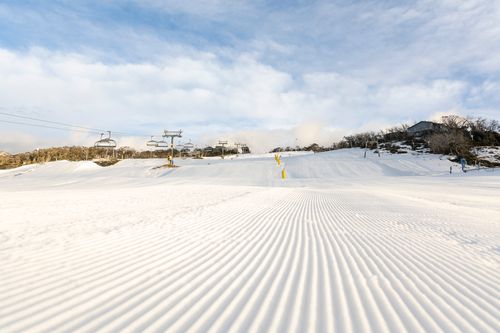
[267,72]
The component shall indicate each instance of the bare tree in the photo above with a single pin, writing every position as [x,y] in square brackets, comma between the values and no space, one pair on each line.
[454,142]
[454,121]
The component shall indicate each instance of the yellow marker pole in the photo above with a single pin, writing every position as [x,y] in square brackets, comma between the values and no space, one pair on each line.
[283,174]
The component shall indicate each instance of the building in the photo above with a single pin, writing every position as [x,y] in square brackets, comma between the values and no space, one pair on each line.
[425,127]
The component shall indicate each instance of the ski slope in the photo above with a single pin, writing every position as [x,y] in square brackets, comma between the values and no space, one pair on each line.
[344,244]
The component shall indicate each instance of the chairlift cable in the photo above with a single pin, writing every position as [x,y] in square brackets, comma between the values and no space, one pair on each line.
[75,128]
[48,126]
[51,122]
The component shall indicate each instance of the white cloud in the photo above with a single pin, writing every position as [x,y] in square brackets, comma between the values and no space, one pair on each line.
[15,141]
[429,38]
[276,70]
[204,8]
[204,95]
[264,140]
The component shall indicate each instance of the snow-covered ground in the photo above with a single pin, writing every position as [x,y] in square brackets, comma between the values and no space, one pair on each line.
[491,154]
[344,244]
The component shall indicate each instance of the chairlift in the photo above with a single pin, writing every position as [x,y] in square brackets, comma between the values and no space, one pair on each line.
[105,142]
[162,144]
[152,143]
[245,149]
[189,145]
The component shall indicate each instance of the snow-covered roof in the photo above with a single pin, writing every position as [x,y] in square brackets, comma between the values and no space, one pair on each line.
[424,126]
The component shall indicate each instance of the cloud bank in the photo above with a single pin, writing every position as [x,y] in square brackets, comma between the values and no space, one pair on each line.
[263,73]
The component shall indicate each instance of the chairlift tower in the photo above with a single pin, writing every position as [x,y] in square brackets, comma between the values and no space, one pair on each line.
[172,135]
[223,144]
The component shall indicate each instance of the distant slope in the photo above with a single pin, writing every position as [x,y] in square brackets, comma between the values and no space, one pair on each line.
[301,169]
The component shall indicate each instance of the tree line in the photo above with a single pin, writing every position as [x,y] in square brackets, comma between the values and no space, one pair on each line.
[457,136]
[103,156]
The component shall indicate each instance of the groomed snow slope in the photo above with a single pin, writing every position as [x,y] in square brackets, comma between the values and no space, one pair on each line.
[345,244]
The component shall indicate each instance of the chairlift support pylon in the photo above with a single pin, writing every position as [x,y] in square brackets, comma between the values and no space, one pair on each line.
[172,135]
